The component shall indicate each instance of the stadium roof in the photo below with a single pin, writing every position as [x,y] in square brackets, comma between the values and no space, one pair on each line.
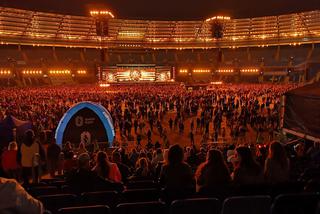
[169,9]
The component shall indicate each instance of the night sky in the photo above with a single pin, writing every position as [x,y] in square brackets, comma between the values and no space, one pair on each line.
[170,9]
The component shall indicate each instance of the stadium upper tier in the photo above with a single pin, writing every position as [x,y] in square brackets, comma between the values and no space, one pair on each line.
[48,29]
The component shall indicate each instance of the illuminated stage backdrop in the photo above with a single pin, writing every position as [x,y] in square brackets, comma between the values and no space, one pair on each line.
[135,73]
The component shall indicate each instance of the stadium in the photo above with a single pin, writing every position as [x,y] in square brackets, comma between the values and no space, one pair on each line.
[101,114]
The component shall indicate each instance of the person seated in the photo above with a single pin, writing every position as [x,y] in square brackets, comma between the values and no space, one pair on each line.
[105,169]
[124,169]
[83,179]
[157,157]
[53,157]
[176,174]
[277,164]
[15,199]
[213,173]
[247,171]
[143,170]
[161,163]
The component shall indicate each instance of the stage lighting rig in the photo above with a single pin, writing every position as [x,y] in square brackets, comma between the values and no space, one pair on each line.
[101,18]
[217,24]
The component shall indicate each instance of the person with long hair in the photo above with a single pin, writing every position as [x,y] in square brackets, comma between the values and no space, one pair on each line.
[213,172]
[176,174]
[143,169]
[106,169]
[247,171]
[277,164]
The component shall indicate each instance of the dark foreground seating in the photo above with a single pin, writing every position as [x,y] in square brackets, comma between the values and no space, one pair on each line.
[110,198]
[139,195]
[55,202]
[295,204]
[99,209]
[192,206]
[44,190]
[247,204]
[141,208]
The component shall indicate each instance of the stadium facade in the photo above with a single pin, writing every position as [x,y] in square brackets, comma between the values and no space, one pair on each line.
[47,48]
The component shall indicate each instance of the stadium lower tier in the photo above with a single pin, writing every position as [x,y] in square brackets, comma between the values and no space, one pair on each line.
[26,65]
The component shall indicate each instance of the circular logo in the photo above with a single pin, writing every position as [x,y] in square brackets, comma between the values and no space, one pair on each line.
[79,121]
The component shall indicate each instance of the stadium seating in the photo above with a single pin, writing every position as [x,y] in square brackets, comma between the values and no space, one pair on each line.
[141,208]
[43,190]
[248,204]
[191,206]
[144,184]
[86,210]
[110,198]
[295,204]
[55,202]
[138,195]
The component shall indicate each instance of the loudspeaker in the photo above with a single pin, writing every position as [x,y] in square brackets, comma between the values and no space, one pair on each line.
[217,30]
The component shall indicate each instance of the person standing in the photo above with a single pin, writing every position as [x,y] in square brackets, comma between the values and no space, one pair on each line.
[28,150]
[53,154]
[191,136]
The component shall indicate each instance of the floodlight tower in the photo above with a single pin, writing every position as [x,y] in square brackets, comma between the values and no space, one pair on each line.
[217,27]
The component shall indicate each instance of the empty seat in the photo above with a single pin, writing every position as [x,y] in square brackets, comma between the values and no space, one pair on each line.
[44,190]
[192,206]
[66,189]
[139,195]
[295,204]
[110,198]
[221,192]
[55,202]
[247,204]
[146,184]
[169,195]
[141,208]
[50,180]
[258,189]
[86,210]
[58,183]
[318,208]
[286,188]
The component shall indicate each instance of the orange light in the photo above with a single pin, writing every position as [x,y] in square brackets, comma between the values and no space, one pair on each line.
[62,72]
[31,72]
[104,85]
[218,18]
[82,72]
[95,13]
[5,72]
[249,70]
[183,71]
[201,71]
[216,83]
[225,71]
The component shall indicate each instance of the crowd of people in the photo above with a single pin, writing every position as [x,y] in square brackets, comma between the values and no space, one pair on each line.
[230,113]
[240,119]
